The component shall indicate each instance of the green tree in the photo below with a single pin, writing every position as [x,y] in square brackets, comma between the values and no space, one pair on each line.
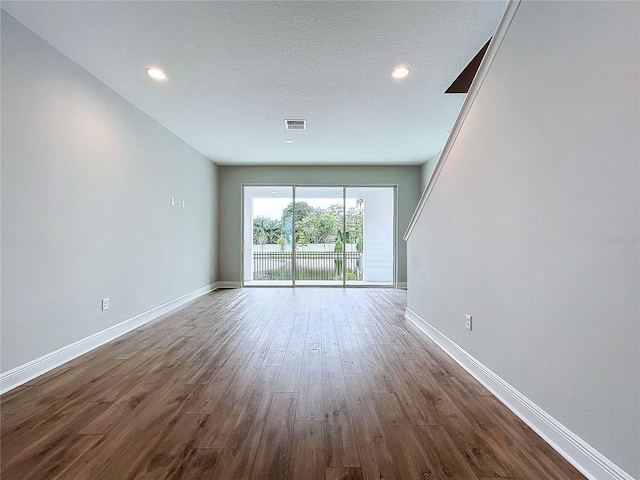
[302,210]
[338,249]
[261,240]
[337,212]
[308,228]
[338,245]
[318,226]
[354,222]
[266,230]
[327,226]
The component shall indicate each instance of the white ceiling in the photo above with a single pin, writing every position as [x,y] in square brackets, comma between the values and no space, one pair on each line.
[238,69]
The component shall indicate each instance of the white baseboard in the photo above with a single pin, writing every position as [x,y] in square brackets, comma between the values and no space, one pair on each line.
[30,370]
[401,285]
[579,453]
[229,284]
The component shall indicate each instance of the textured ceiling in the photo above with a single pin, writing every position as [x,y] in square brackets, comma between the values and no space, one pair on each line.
[238,69]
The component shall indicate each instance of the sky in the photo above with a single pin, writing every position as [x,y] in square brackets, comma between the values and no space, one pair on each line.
[272,207]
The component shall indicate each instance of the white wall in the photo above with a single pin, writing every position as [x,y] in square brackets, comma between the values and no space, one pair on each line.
[518,229]
[86,186]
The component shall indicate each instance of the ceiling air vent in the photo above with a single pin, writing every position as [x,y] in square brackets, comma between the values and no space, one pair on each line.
[295,124]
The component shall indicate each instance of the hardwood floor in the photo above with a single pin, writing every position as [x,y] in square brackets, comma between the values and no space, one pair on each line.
[298,384]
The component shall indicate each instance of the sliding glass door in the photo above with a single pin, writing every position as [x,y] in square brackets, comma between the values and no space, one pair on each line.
[318,235]
[268,236]
[319,225]
[370,214]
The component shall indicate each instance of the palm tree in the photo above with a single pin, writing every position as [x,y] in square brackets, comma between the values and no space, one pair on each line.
[266,230]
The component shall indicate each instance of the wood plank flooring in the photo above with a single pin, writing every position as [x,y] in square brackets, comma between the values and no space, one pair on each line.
[298,384]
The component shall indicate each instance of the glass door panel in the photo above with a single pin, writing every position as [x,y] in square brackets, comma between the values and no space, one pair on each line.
[319,232]
[370,235]
[268,236]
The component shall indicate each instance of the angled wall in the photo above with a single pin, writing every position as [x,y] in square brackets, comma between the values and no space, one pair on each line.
[533,224]
[86,186]
[426,170]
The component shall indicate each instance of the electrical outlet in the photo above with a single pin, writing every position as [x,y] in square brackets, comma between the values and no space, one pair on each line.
[467,319]
[173,200]
[211,272]
[182,203]
[105,304]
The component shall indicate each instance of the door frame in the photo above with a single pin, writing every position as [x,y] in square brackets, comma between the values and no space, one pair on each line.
[344,186]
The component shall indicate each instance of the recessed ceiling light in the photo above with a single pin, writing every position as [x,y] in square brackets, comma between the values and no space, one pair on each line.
[288,140]
[156,73]
[400,72]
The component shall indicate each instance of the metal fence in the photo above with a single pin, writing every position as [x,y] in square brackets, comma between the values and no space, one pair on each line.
[309,265]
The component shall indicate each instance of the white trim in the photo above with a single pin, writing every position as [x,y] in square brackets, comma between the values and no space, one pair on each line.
[25,372]
[229,285]
[579,453]
[402,285]
[483,69]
